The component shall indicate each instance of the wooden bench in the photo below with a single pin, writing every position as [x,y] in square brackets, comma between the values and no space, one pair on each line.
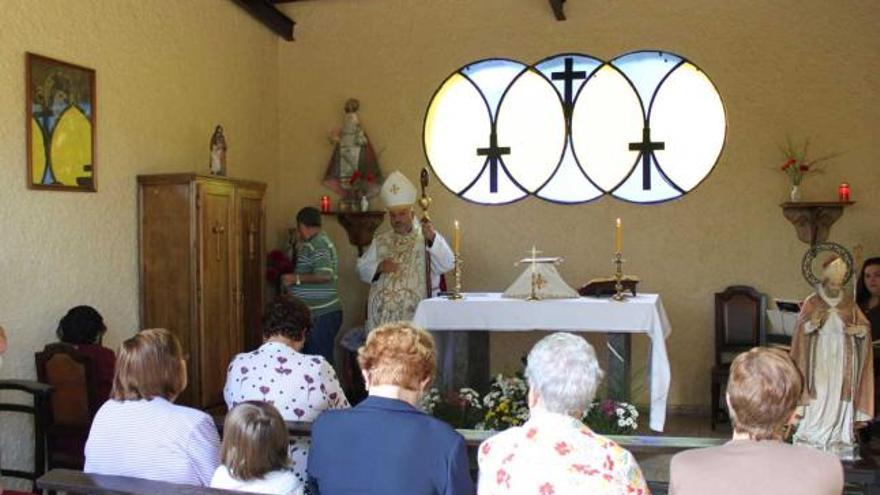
[66,480]
[653,454]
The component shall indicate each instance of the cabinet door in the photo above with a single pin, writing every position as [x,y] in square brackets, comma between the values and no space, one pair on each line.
[167,262]
[251,226]
[216,289]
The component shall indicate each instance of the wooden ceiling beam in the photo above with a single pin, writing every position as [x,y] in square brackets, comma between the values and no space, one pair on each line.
[556,5]
[271,17]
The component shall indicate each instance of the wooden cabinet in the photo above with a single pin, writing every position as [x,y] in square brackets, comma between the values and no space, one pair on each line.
[202,240]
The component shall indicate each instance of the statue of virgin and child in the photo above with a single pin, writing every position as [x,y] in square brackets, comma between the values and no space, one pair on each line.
[353,171]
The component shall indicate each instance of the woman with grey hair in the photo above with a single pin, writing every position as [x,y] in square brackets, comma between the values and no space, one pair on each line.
[554,452]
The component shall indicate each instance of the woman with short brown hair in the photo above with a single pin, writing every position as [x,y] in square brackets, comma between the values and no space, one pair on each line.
[762,395]
[386,444]
[140,432]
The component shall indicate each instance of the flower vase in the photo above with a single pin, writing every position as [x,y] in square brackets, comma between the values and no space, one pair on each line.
[795,193]
[365,203]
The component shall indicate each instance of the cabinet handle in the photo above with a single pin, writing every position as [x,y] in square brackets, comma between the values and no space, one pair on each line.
[218,231]
[251,231]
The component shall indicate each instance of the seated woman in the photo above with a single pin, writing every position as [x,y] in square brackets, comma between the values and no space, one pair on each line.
[762,394]
[385,445]
[254,452]
[299,385]
[83,327]
[554,452]
[140,432]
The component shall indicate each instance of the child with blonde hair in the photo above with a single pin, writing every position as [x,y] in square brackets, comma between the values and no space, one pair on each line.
[254,452]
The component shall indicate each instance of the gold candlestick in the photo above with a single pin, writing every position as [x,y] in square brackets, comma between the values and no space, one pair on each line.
[456,292]
[618,277]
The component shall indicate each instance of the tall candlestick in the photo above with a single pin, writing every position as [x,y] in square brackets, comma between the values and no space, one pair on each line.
[618,238]
[456,239]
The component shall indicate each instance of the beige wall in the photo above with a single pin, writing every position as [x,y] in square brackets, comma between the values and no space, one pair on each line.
[167,72]
[791,67]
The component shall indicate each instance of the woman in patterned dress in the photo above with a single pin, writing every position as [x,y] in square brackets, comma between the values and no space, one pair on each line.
[554,453]
[300,386]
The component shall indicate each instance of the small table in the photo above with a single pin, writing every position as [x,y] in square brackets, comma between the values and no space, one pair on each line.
[641,314]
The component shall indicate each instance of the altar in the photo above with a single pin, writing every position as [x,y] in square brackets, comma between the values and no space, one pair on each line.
[644,314]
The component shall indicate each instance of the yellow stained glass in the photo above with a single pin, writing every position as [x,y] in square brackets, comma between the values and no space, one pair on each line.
[606,118]
[689,117]
[531,123]
[457,125]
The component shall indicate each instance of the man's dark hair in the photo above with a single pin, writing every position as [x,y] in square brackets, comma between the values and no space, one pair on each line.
[309,216]
[288,317]
[81,325]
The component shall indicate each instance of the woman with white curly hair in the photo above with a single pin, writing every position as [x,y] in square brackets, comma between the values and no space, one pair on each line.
[554,452]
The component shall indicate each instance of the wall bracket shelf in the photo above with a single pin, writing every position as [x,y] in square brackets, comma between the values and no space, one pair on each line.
[359,225]
[813,220]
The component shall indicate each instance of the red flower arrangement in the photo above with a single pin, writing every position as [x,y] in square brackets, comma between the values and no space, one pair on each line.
[277,264]
[797,165]
[361,184]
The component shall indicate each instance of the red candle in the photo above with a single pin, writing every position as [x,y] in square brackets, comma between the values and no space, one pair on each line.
[325,204]
[843,192]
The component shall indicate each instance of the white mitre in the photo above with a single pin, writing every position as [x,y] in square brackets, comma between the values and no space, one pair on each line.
[397,191]
[835,270]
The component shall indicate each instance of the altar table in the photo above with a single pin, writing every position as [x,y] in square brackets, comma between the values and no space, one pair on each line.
[492,312]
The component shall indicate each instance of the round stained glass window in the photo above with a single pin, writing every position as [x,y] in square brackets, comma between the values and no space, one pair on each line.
[645,127]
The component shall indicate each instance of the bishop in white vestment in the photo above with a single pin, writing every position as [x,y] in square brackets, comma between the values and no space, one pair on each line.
[395,263]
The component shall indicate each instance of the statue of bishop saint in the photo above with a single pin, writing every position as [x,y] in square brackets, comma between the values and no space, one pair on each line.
[832,348]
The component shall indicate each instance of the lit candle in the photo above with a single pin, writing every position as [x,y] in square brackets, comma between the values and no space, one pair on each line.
[618,238]
[456,240]
[843,192]
[325,204]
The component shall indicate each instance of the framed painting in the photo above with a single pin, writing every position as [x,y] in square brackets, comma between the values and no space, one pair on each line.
[60,125]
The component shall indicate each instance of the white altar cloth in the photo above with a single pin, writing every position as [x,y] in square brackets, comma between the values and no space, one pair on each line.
[491,312]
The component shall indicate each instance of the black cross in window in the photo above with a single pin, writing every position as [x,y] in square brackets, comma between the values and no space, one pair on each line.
[647,147]
[569,75]
[494,153]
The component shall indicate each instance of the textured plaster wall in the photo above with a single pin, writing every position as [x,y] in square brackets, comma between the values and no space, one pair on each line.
[167,72]
[803,68]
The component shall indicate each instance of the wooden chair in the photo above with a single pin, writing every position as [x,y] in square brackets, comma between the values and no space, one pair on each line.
[72,377]
[739,326]
[38,407]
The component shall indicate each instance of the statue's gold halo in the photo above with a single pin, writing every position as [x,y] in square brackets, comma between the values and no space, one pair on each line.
[815,252]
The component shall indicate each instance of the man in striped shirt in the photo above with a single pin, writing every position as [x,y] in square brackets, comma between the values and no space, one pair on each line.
[314,281]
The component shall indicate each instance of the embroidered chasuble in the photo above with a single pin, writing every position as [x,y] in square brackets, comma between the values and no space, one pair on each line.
[395,296]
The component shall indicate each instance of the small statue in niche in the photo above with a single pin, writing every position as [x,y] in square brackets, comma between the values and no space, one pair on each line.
[353,171]
[218,152]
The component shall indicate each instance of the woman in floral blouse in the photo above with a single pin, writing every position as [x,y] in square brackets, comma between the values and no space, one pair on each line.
[553,453]
[300,386]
